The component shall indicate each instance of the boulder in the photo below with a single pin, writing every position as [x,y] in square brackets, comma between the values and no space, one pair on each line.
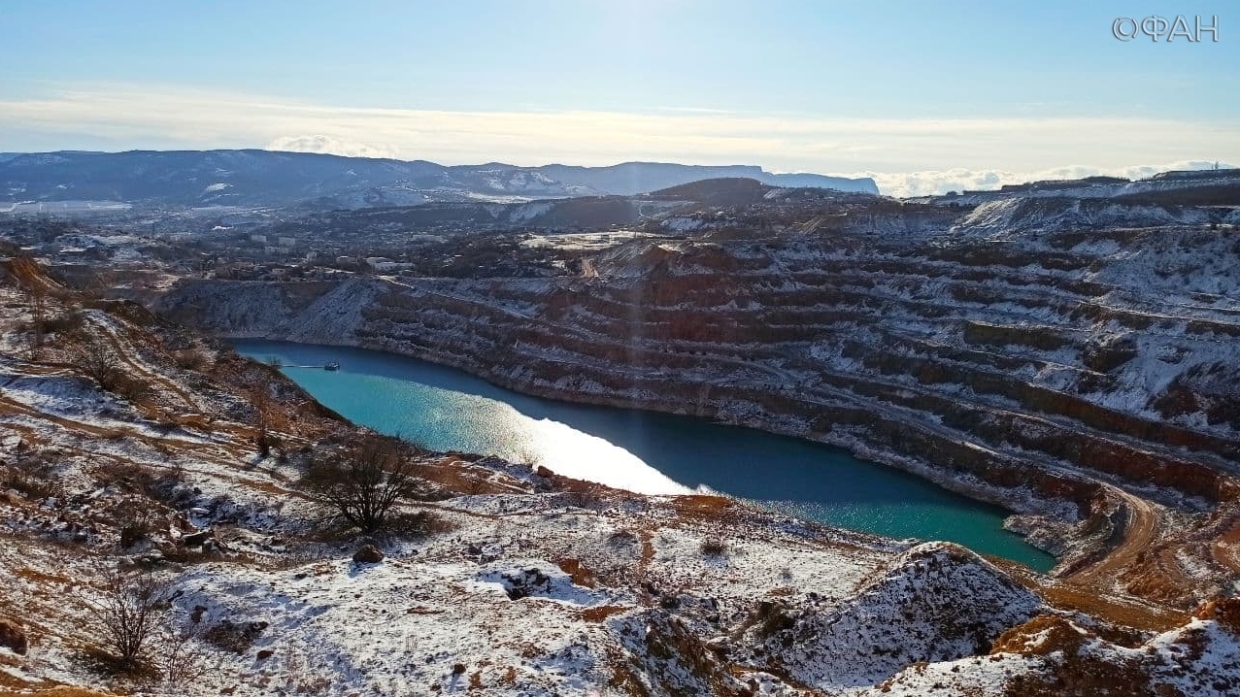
[368,554]
[197,539]
[1225,611]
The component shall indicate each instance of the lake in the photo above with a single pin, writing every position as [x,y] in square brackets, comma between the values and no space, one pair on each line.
[447,409]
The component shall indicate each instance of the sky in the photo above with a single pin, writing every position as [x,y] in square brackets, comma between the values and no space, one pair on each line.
[924,96]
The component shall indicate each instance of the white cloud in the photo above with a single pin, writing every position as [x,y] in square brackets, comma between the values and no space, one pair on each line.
[329,145]
[906,156]
[941,181]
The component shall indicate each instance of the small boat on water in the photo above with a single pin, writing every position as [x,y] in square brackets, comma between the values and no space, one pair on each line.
[333,365]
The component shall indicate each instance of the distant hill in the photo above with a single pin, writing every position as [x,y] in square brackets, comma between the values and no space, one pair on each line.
[642,177]
[265,178]
[717,192]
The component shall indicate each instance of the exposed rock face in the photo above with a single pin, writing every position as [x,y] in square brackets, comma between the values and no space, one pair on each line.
[1226,611]
[565,588]
[13,638]
[998,358]
[938,602]
[1080,658]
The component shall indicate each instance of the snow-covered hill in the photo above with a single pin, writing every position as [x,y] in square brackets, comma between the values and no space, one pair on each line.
[185,463]
[262,178]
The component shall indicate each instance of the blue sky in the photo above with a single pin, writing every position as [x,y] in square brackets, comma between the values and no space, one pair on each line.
[882,86]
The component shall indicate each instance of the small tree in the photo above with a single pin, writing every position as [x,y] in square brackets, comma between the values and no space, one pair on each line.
[260,400]
[97,360]
[38,297]
[363,482]
[180,653]
[129,610]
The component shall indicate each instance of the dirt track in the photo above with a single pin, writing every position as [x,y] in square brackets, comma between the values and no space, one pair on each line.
[1140,533]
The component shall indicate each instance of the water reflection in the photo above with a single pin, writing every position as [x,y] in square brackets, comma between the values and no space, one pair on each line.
[446,409]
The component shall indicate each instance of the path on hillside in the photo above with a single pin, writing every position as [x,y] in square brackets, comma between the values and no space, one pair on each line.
[1139,534]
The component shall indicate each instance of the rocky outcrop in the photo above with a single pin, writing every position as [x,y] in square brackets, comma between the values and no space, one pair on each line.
[1032,370]
[13,638]
[543,585]
[937,602]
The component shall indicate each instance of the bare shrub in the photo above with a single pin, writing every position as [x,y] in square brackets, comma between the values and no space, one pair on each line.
[529,457]
[302,678]
[714,547]
[180,554]
[38,304]
[236,637]
[139,527]
[364,481]
[418,524]
[96,359]
[166,485]
[33,476]
[191,359]
[264,440]
[181,654]
[65,323]
[131,389]
[127,610]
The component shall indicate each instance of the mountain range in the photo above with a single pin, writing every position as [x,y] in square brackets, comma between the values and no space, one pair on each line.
[266,178]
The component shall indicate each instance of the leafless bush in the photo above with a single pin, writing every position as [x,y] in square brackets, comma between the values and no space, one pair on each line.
[163,484]
[417,524]
[365,481]
[181,654]
[529,457]
[264,440]
[302,678]
[622,538]
[96,359]
[236,637]
[38,303]
[186,556]
[131,389]
[32,476]
[69,322]
[128,608]
[714,547]
[191,359]
[139,527]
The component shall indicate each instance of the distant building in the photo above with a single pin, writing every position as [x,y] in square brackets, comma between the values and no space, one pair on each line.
[288,241]
[258,238]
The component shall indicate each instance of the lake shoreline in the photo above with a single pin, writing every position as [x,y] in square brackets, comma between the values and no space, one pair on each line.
[967,487]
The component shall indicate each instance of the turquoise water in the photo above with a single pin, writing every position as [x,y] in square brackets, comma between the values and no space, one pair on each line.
[447,409]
